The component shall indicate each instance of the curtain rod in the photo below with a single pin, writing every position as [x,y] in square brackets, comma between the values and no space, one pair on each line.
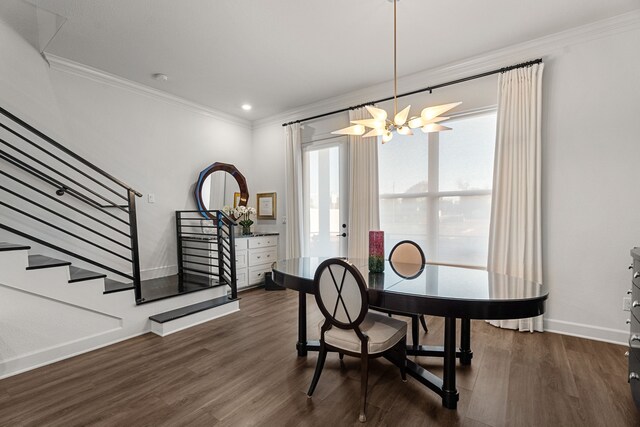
[430,89]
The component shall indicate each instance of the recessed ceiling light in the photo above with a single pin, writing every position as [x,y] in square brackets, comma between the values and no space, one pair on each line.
[246,107]
[160,77]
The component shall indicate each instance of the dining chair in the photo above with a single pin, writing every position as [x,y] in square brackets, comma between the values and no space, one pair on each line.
[348,326]
[407,260]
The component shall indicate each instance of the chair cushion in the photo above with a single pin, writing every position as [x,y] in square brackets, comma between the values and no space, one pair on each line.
[383,331]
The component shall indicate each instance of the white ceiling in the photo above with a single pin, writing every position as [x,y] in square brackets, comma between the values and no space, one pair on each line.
[282,54]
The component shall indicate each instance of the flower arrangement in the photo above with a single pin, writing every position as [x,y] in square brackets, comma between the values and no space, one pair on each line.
[243,215]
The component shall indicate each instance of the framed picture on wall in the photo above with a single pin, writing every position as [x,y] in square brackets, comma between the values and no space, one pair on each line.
[236,199]
[266,205]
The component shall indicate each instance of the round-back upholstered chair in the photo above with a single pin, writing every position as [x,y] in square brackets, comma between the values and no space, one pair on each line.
[348,326]
[407,259]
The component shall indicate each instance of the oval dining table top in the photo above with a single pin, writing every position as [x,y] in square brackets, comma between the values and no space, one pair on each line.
[432,289]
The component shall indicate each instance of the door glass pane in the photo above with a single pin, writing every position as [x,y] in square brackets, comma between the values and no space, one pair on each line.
[463,229]
[466,153]
[403,219]
[403,164]
[324,201]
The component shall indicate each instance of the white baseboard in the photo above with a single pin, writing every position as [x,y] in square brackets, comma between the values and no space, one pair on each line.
[157,272]
[597,333]
[56,354]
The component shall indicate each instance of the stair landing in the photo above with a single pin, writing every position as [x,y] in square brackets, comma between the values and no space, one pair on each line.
[184,317]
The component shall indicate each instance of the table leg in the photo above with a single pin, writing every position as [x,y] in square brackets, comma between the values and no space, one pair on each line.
[449,392]
[301,345]
[465,342]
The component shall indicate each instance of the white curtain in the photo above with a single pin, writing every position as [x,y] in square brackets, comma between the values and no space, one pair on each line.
[293,177]
[515,246]
[364,209]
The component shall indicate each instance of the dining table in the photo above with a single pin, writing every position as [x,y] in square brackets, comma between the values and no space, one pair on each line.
[450,292]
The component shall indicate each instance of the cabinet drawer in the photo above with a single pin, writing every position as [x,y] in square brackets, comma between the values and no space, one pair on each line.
[241,279]
[256,274]
[261,257]
[241,243]
[263,242]
[241,259]
[635,301]
[634,327]
[634,371]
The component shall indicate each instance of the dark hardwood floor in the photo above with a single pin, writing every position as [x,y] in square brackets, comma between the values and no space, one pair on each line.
[243,370]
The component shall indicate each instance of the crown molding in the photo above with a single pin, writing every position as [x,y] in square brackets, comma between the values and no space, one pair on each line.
[71,67]
[545,47]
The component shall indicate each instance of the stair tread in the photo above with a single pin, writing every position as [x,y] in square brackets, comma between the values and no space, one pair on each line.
[111,286]
[6,247]
[42,261]
[191,309]
[78,274]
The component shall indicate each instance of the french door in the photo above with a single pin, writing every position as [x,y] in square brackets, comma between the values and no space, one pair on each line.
[325,187]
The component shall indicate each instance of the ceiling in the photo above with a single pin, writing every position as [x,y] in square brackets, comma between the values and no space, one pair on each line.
[282,54]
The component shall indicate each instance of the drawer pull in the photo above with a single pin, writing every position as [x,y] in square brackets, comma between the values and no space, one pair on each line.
[634,376]
[626,354]
[629,292]
[635,303]
[628,321]
[636,275]
[635,337]
[631,266]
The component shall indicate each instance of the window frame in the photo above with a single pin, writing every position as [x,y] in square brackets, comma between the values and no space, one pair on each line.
[433,193]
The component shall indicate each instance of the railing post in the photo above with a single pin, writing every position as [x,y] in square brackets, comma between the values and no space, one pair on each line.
[232,255]
[135,250]
[218,223]
[179,242]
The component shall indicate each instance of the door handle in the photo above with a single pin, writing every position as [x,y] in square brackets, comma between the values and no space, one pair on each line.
[342,235]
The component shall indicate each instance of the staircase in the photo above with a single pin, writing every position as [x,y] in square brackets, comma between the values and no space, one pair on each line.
[70,277]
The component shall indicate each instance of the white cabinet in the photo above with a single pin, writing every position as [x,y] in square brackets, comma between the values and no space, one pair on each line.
[254,256]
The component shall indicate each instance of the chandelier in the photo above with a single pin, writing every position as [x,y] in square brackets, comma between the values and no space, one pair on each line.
[379,125]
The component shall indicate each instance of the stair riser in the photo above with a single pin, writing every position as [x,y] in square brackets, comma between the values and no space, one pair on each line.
[12,263]
[93,288]
[53,275]
[166,328]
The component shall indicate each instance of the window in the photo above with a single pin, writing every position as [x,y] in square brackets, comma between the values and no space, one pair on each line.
[435,189]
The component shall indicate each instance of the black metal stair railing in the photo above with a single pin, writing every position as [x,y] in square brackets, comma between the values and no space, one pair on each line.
[58,199]
[207,248]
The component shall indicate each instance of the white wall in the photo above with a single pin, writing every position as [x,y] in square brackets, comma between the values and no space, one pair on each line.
[590,158]
[148,141]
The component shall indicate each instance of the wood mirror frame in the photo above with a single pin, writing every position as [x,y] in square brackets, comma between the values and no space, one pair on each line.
[224,167]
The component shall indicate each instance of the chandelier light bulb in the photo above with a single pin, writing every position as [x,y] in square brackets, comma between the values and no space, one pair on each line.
[404,130]
[387,137]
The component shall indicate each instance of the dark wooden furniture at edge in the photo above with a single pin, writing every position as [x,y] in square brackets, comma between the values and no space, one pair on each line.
[387,290]
[634,328]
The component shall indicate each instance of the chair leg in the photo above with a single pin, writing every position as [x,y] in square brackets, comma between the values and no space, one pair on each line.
[402,351]
[415,330]
[424,323]
[322,356]
[364,379]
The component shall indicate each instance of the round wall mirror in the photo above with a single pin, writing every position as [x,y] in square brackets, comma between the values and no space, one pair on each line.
[219,185]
